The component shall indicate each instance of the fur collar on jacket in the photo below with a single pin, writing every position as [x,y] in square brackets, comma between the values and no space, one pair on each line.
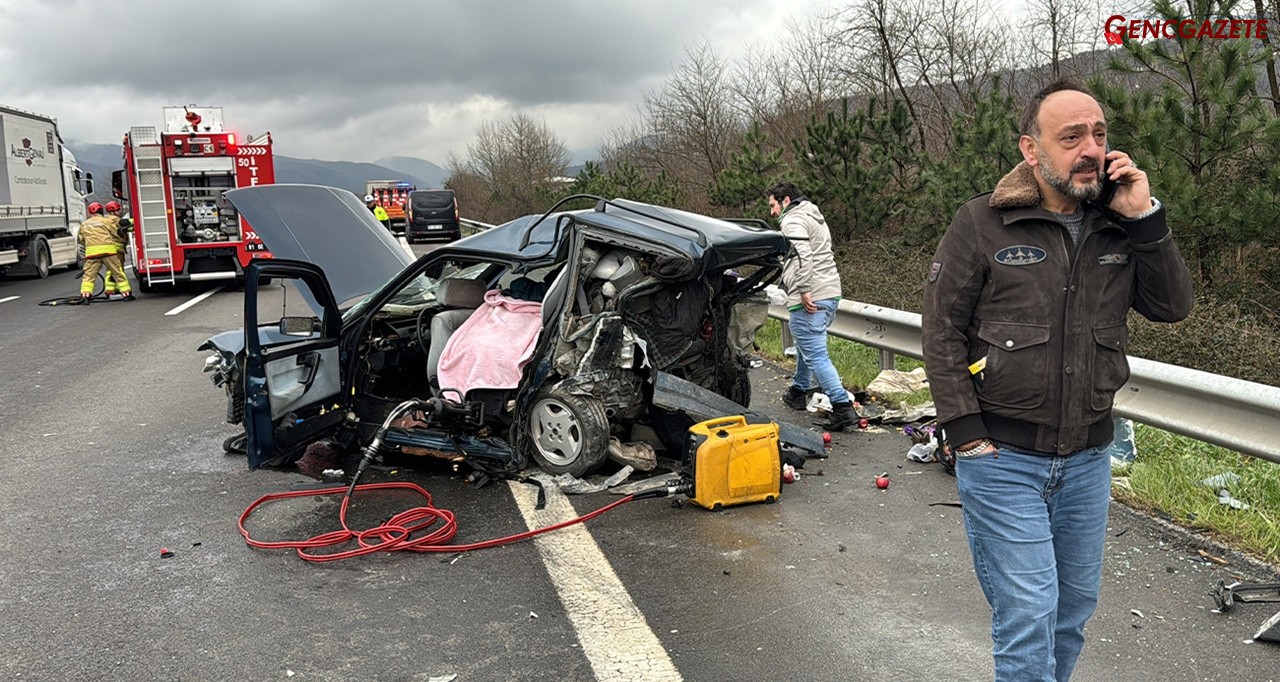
[1018,189]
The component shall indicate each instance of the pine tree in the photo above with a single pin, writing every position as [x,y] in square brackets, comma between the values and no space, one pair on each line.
[752,170]
[1201,134]
[984,147]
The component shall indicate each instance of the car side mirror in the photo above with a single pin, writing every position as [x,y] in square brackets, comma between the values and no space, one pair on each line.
[299,326]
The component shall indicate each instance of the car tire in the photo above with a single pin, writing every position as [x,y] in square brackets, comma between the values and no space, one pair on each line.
[42,261]
[740,390]
[568,434]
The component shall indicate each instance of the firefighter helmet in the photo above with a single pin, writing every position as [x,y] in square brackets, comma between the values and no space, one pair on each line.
[95,208]
[368,198]
[112,206]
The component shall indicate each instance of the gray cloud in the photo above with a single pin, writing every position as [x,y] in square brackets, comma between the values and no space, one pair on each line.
[350,80]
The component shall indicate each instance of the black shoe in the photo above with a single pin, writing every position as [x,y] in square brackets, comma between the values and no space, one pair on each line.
[796,400]
[128,297]
[86,300]
[842,418]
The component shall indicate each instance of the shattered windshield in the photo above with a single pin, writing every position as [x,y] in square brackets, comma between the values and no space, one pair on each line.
[420,292]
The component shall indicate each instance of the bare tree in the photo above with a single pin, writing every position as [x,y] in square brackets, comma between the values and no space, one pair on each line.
[692,120]
[1272,47]
[517,159]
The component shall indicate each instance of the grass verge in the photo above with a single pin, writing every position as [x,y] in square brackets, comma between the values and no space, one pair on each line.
[1164,479]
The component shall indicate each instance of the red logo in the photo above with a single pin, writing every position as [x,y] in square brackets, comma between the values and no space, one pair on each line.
[26,144]
[1118,27]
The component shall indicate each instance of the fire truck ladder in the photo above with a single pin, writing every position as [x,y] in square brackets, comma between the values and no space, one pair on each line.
[149,205]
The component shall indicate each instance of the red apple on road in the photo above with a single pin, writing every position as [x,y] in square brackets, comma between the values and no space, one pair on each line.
[882,481]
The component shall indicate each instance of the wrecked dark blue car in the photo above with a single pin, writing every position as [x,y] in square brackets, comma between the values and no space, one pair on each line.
[550,339]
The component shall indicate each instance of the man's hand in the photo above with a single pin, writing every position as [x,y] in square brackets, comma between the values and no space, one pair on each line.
[1133,198]
[806,299]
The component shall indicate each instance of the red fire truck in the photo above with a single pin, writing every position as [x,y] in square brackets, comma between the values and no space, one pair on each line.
[174,179]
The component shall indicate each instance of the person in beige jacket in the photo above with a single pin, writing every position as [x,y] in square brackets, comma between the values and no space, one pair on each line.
[812,283]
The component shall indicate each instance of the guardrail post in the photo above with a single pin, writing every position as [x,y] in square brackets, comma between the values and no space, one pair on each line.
[887,360]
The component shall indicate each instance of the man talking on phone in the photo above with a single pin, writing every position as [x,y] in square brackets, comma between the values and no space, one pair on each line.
[1025,308]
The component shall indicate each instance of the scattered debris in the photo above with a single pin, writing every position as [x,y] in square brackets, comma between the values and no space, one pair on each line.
[639,455]
[1137,613]
[894,381]
[652,483]
[1211,558]
[1270,630]
[789,474]
[1224,497]
[1122,449]
[819,402]
[166,553]
[923,452]
[576,486]
[1225,596]
[1222,480]
[910,413]
[443,678]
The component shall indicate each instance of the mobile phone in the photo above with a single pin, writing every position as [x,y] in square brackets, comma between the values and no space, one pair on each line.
[1109,186]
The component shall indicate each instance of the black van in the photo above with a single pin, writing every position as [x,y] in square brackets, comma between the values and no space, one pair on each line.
[431,214]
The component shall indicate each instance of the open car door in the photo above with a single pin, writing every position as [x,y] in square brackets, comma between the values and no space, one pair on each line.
[293,386]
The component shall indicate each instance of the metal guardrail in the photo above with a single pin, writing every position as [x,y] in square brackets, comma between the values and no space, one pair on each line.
[1236,414]
[470,227]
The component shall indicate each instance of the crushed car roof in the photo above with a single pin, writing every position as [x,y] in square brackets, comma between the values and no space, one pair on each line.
[710,241]
[332,228]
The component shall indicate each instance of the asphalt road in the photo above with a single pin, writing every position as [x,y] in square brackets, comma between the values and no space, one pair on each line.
[111,440]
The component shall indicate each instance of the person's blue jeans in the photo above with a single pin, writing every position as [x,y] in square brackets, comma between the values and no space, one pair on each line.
[1037,525]
[812,359]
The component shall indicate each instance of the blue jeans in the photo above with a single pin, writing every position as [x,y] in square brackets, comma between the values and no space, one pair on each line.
[1037,525]
[812,360]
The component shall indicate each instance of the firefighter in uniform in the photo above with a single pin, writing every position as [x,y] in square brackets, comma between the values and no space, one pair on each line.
[379,212]
[110,286]
[103,242]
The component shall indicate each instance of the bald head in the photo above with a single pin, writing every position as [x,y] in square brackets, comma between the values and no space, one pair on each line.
[1031,123]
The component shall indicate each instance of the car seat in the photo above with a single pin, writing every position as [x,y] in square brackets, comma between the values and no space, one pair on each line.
[460,298]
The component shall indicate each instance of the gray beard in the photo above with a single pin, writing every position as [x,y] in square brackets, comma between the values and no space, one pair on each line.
[1063,184]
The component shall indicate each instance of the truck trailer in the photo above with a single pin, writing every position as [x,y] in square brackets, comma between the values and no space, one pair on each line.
[392,196]
[174,179]
[42,196]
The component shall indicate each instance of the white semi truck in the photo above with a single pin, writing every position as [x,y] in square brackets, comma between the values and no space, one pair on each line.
[42,196]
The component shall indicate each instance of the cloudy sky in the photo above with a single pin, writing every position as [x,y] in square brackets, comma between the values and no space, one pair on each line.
[357,80]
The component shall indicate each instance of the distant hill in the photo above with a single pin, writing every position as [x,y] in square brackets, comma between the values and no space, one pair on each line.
[101,159]
[432,174]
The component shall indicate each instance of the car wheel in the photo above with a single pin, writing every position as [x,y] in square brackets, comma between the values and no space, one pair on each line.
[568,434]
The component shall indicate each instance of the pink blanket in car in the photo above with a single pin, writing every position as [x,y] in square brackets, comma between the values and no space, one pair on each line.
[491,348]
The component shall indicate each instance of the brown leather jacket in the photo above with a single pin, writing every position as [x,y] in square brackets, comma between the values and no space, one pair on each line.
[1007,290]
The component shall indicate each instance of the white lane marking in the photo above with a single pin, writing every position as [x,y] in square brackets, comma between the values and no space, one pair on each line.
[614,634]
[194,301]
[11,298]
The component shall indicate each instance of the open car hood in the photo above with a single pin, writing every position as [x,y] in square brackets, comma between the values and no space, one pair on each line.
[326,226]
